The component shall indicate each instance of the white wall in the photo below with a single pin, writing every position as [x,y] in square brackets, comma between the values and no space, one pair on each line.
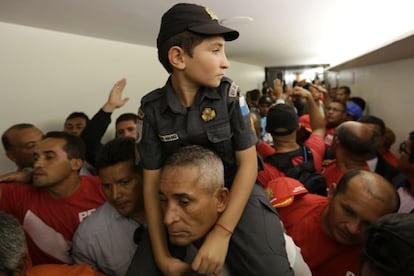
[45,75]
[389,92]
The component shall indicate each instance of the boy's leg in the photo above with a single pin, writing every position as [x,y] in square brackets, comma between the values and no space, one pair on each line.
[257,246]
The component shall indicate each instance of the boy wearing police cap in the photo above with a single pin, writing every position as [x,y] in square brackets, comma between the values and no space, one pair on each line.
[198,105]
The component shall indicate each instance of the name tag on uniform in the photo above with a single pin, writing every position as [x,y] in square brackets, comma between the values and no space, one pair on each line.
[168,138]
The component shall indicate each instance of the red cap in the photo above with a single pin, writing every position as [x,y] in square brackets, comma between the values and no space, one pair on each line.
[282,190]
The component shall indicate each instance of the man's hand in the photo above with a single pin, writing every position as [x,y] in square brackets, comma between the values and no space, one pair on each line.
[302,92]
[212,254]
[115,99]
[19,176]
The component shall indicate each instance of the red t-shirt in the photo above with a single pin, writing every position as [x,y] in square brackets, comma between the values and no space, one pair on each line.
[390,158]
[333,174]
[324,256]
[63,269]
[50,223]
[314,143]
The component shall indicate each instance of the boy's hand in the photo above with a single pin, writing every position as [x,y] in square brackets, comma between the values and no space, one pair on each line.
[175,267]
[212,254]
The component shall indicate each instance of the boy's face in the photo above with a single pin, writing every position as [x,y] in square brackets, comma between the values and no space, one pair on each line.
[208,63]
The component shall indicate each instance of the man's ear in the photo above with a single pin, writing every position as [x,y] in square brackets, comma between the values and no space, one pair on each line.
[176,57]
[76,164]
[223,196]
[331,190]
[10,155]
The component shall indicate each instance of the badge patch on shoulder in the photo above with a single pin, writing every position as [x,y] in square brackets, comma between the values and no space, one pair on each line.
[233,90]
[243,106]
[168,137]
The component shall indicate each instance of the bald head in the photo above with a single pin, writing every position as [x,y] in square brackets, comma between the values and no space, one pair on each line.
[359,199]
[356,138]
[374,185]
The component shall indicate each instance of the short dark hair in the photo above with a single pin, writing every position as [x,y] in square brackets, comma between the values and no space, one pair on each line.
[74,146]
[77,115]
[185,40]
[389,245]
[118,150]
[126,117]
[5,137]
[346,89]
[371,119]
[265,100]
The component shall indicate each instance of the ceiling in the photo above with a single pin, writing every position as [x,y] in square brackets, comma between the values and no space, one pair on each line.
[282,33]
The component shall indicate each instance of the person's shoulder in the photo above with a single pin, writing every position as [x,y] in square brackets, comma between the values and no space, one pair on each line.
[93,223]
[153,96]
[229,88]
[90,180]
[19,187]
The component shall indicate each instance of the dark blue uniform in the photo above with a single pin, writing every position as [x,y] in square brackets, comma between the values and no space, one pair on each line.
[214,121]
[218,122]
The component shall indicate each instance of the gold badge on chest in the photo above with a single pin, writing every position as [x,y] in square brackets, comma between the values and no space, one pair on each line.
[208,114]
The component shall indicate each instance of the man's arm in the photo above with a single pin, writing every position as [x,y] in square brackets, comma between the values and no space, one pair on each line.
[316,119]
[97,126]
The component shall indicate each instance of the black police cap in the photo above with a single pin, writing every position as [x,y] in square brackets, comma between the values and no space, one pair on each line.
[191,17]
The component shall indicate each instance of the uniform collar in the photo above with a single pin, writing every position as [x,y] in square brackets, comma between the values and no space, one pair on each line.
[174,104]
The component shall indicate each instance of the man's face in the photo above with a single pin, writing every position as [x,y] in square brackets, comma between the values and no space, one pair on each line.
[23,143]
[75,126]
[208,63]
[126,129]
[51,164]
[122,187]
[349,214]
[341,95]
[335,113]
[189,211]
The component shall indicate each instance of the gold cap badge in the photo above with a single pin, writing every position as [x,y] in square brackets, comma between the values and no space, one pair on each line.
[210,12]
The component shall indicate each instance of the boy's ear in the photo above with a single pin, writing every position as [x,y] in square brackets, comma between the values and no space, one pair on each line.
[176,57]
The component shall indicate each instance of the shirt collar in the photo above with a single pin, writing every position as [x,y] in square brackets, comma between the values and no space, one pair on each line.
[174,104]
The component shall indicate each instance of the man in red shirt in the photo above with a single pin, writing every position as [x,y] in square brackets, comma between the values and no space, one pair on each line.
[354,144]
[330,230]
[57,200]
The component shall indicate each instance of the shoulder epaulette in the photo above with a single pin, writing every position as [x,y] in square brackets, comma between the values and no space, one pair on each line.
[152,96]
[233,90]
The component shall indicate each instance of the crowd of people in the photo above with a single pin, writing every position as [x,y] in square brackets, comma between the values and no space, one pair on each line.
[204,181]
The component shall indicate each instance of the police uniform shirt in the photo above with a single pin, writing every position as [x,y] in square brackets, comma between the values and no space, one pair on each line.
[215,121]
